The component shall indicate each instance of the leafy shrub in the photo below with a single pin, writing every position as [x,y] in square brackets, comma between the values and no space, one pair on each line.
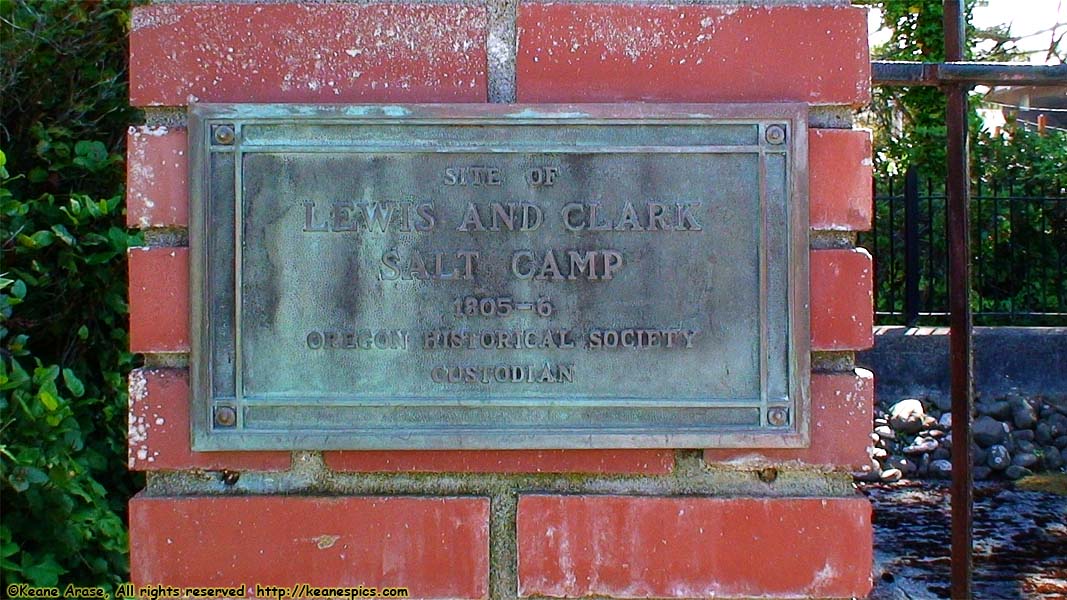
[63,342]
[1018,233]
[1020,245]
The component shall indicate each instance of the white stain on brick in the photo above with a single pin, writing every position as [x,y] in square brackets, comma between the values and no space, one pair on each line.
[220,49]
[159,16]
[826,576]
[324,542]
[137,430]
[645,39]
[144,414]
[146,163]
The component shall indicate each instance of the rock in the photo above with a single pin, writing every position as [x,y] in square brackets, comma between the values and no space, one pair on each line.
[1025,447]
[924,465]
[979,455]
[907,416]
[1001,410]
[940,468]
[921,446]
[880,421]
[940,454]
[872,473]
[868,476]
[1053,458]
[999,458]
[1057,424]
[1024,459]
[891,475]
[998,409]
[1043,433]
[1016,472]
[945,420]
[904,465]
[988,431]
[1023,415]
[885,432]
[980,473]
[935,434]
[879,453]
[1023,434]
[929,422]
[1008,443]
[1060,442]
[943,403]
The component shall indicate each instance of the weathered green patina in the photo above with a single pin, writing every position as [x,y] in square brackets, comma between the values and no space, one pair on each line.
[499,276]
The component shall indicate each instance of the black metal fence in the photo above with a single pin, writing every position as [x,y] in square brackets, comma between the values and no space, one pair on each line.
[1019,246]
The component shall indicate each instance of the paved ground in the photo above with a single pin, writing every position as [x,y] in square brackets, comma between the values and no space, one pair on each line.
[1020,542]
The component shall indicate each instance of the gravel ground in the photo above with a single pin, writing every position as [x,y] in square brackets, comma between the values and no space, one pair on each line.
[1020,542]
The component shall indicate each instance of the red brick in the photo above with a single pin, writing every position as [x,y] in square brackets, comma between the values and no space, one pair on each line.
[159,299]
[437,547]
[157,194]
[644,547]
[842,406]
[839,176]
[307,52]
[625,52]
[159,429]
[505,461]
[842,300]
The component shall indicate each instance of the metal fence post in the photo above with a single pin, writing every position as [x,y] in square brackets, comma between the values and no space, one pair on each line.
[956,76]
[911,247]
[961,362]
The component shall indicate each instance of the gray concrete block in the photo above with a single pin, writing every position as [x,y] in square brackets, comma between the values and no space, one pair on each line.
[914,361]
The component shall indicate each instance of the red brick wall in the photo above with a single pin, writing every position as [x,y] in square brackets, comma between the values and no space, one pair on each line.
[613,526]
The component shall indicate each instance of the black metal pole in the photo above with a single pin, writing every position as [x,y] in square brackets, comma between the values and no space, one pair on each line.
[960,347]
[911,246]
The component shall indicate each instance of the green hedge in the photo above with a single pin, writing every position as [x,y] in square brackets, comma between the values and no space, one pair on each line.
[1018,233]
[63,313]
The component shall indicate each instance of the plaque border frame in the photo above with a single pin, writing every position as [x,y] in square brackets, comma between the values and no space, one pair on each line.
[207,435]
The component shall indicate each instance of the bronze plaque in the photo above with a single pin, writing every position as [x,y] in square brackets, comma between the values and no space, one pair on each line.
[499,276]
